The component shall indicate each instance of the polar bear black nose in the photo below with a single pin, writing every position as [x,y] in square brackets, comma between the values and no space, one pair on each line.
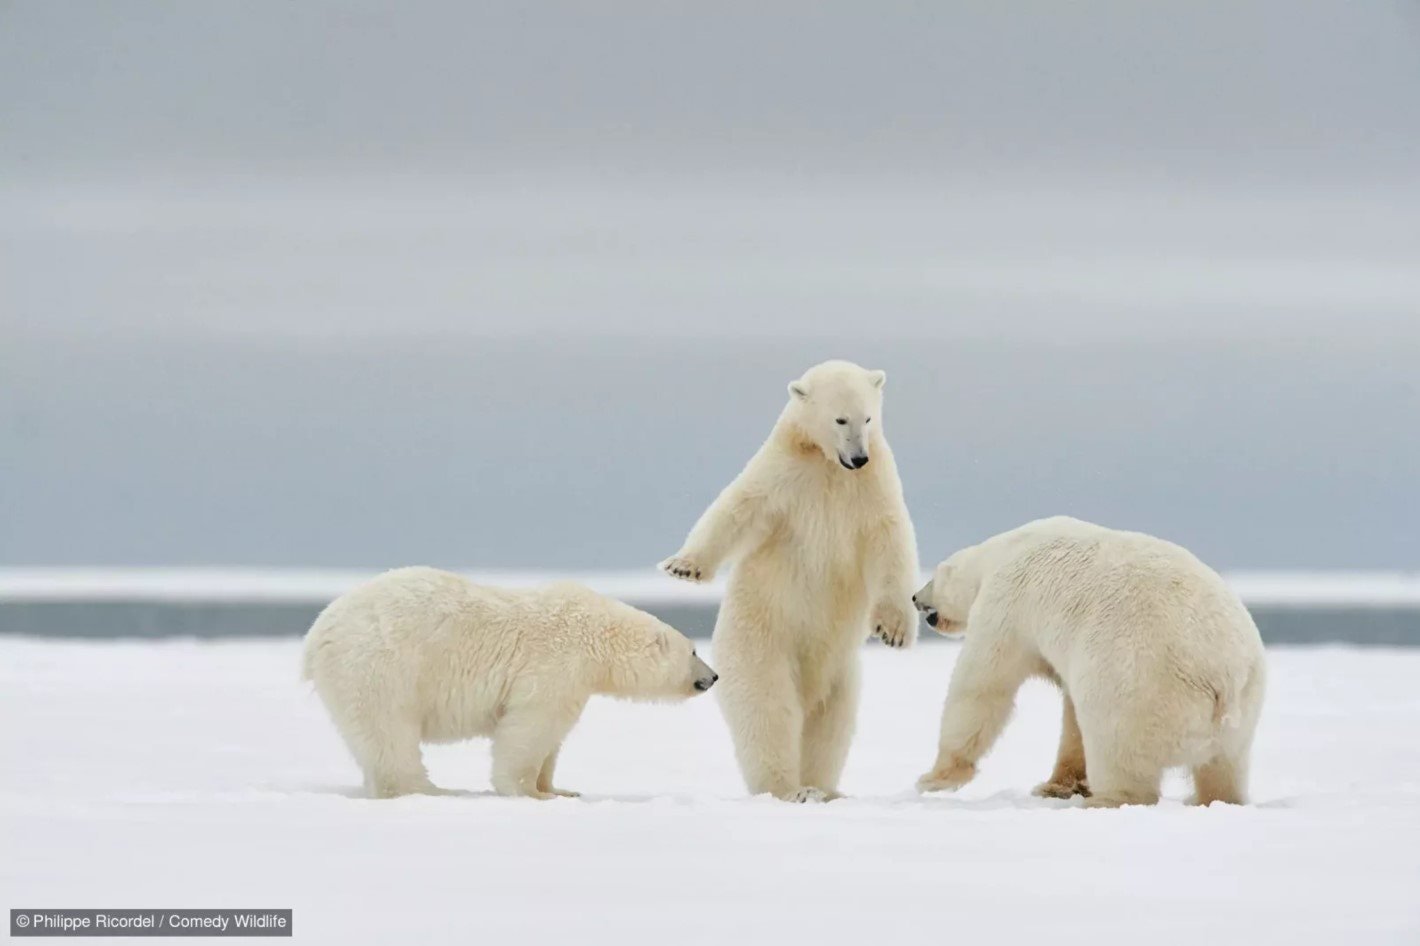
[931,617]
[705,683]
[859,462]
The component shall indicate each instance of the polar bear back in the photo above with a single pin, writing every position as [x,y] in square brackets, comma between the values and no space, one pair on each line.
[1090,595]
[418,617]
[444,651]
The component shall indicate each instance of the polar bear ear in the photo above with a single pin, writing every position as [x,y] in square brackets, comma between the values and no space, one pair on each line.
[799,390]
[879,378]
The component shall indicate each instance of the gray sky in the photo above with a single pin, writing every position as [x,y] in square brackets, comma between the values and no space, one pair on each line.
[521,285]
[1210,88]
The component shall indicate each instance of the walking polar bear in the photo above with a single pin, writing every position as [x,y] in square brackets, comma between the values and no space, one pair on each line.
[420,655]
[825,555]
[1160,663]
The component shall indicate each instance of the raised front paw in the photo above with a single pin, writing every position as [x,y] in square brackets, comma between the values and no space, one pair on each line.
[686,569]
[894,624]
[947,777]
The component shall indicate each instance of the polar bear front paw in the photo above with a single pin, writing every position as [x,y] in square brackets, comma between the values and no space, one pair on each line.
[893,624]
[1062,788]
[686,569]
[521,789]
[809,794]
[947,778]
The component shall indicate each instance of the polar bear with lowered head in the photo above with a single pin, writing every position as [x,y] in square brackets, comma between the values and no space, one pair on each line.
[824,556]
[1160,664]
[420,655]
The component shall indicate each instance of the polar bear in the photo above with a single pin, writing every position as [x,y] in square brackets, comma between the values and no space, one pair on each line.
[825,555]
[1159,662]
[421,655]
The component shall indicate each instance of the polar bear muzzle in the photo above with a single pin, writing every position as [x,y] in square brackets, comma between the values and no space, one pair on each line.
[701,673]
[852,443]
[922,601]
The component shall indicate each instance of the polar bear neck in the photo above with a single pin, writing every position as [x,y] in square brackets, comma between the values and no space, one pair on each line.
[624,656]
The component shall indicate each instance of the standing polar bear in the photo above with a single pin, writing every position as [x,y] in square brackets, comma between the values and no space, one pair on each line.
[420,655]
[825,555]
[1160,663]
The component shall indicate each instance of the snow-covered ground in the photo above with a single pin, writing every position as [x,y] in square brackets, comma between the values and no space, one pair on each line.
[204,775]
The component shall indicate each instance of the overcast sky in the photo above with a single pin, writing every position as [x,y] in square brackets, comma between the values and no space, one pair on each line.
[521,284]
[1295,87]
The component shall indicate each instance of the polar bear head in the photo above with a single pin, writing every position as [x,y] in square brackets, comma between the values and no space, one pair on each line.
[650,660]
[946,600]
[837,407]
[670,669]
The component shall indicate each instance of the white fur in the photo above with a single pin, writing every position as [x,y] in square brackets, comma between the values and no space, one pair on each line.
[1160,663]
[420,655]
[825,556]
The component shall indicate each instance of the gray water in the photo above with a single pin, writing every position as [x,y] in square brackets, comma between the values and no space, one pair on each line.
[1361,626]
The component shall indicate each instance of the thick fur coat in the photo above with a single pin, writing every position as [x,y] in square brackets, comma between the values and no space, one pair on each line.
[1160,664]
[824,555]
[419,655]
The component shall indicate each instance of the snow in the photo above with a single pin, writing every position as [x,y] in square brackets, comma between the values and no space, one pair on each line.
[205,775]
[1374,589]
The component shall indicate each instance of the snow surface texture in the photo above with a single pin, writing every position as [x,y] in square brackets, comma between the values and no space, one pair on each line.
[205,775]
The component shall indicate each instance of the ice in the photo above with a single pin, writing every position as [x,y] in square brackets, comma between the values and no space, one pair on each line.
[206,775]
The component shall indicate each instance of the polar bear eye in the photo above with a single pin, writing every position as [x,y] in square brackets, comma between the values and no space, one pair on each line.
[867,420]
[841,420]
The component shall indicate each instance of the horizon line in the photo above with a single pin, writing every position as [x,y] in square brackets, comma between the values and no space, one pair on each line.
[1309,587]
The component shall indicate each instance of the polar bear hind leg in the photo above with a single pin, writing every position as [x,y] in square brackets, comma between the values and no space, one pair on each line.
[381,733]
[1123,768]
[390,757]
[1222,778]
[766,724]
[828,732]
